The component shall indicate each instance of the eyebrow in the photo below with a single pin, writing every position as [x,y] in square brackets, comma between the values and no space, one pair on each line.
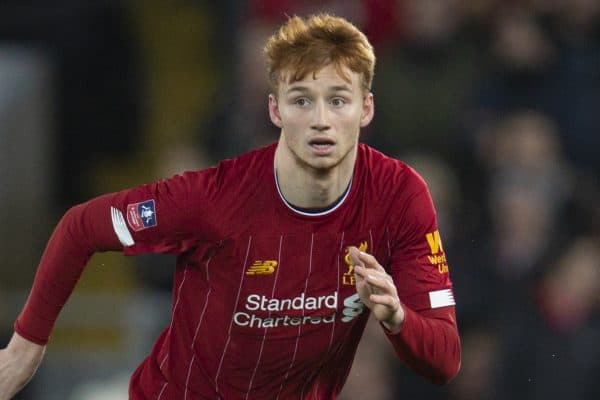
[305,89]
[301,89]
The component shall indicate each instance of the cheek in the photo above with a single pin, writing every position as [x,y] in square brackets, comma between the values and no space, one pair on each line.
[292,130]
[351,122]
[293,140]
[294,122]
[289,118]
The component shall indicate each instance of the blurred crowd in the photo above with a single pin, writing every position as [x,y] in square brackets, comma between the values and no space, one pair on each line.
[495,103]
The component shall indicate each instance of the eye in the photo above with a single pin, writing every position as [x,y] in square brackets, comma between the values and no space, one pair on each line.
[337,101]
[302,101]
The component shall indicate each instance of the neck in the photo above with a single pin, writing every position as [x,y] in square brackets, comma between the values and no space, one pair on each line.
[304,186]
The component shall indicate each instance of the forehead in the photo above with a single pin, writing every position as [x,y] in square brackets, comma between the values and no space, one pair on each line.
[325,78]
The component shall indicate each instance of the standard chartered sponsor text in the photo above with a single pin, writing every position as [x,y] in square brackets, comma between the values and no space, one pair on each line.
[260,302]
[253,321]
[276,308]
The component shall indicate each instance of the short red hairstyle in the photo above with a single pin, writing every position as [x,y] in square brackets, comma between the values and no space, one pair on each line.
[303,46]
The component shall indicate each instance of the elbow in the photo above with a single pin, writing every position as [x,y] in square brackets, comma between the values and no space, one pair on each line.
[447,375]
[447,372]
[450,367]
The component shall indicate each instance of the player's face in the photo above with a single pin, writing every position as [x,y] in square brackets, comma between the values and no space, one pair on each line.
[320,117]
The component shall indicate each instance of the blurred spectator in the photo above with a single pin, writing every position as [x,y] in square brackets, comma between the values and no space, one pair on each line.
[545,58]
[422,82]
[569,293]
[555,354]
[529,185]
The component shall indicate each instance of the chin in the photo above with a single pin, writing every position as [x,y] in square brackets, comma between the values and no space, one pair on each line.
[325,164]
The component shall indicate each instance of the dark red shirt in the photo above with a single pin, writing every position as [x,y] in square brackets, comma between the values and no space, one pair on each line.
[264,302]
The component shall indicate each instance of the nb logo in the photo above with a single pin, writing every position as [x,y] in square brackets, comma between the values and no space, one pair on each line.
[259,267]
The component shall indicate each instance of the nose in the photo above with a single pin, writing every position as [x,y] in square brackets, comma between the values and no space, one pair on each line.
[321,117]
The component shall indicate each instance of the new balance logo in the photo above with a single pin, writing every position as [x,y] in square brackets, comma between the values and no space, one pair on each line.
[259,267]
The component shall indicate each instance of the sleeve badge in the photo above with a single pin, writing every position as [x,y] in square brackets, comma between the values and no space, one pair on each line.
[141,215]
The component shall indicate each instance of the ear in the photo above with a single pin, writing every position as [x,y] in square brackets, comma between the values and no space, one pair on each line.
[368,110]
[274,111]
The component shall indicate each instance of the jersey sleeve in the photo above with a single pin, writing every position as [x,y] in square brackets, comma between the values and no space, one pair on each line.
[428,341]
[168,216]
[418,258]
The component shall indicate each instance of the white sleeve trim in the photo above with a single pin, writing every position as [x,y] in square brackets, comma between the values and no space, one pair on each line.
[441,298]
[120,228]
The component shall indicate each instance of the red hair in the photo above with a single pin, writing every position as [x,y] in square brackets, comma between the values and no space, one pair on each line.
[303,46]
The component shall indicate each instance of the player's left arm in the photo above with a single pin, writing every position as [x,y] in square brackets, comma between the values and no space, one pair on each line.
[413,298]
[427,341]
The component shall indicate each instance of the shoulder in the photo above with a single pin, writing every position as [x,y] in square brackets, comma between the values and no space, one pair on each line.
[255,157]
[388,173]
[234,171]
[226,177]
[248,163]
[398,189]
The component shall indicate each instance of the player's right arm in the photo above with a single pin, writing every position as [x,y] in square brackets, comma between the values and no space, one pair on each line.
[18,363]
[171,222]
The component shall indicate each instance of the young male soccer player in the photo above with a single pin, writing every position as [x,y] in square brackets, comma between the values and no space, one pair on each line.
[282,253]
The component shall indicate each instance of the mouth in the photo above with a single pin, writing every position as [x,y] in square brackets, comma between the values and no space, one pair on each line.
[322,146]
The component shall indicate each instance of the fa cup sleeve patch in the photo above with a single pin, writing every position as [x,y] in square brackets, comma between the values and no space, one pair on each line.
[141,215]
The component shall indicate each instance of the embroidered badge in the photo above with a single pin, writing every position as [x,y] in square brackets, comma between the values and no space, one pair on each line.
[141,215]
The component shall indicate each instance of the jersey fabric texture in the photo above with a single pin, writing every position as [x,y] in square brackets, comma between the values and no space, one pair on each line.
[264,302]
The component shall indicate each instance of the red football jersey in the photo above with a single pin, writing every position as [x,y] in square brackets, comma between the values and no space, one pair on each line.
[264,302]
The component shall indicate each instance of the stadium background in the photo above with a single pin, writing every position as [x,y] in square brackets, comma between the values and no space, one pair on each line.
[495,103]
